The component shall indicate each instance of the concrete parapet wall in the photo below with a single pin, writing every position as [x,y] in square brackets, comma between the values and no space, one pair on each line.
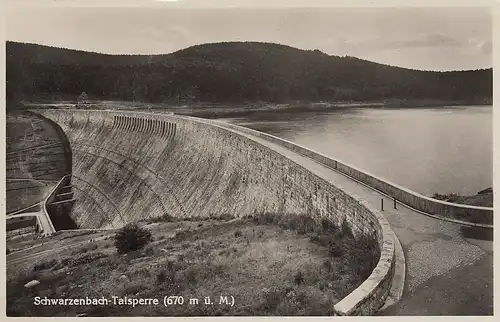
[472,214]
[129,166]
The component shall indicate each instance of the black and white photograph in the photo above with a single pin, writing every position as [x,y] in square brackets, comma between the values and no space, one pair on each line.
[189,158]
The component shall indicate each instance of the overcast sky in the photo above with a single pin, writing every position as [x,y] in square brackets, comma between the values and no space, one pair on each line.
[433,39]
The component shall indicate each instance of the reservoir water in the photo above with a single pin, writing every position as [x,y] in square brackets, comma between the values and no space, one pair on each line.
[428,150]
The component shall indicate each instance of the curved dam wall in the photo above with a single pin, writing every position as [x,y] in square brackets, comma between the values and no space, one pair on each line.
[129,166]
[466,213]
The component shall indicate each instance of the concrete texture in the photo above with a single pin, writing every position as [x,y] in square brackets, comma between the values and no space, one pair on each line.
[130,166]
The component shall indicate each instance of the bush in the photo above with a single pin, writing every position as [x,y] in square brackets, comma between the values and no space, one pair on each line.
[91,246]
[327,225]
[302,224]
[346,230]
[266,219]
[161,276]
[273,297]
[315,238]
[299,278]
[148,251]
[130,238]
[163,218]
[133,288]
[327,264]
[224,217]
[335,250]
[192,274]
[365,256]
[166,275]
[45,265]
[85,258]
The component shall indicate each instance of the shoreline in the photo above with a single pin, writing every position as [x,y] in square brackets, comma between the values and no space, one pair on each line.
[220,110]
[483,198]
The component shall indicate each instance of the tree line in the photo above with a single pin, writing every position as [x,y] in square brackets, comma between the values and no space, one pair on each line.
[231,72]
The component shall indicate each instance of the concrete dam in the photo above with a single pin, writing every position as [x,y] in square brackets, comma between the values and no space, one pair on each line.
[130,166]
[127,166]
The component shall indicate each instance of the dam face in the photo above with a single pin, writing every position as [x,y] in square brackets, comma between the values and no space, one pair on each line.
[132,166]
[128,167]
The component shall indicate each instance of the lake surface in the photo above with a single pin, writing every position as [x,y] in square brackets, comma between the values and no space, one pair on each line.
[428,150]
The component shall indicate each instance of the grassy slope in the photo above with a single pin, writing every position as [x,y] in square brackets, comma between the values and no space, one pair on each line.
[271,267]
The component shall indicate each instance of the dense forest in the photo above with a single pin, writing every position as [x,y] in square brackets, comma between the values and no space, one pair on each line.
[230,72]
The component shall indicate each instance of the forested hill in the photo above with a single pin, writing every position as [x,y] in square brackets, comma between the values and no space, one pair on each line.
[230,72]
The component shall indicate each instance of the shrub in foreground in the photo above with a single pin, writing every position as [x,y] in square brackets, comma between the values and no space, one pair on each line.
[45,265]
[131,237]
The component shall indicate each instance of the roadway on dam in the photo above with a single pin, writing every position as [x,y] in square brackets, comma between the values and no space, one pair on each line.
[449,266]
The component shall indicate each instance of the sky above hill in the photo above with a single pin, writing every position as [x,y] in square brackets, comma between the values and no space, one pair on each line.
[435,38]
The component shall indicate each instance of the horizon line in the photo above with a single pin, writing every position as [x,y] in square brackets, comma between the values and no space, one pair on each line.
[259,42]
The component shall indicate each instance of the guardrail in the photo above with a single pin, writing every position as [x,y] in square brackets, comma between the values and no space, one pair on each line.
[464,214]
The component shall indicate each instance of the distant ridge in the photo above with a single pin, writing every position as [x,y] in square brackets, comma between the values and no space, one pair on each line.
[231,72]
